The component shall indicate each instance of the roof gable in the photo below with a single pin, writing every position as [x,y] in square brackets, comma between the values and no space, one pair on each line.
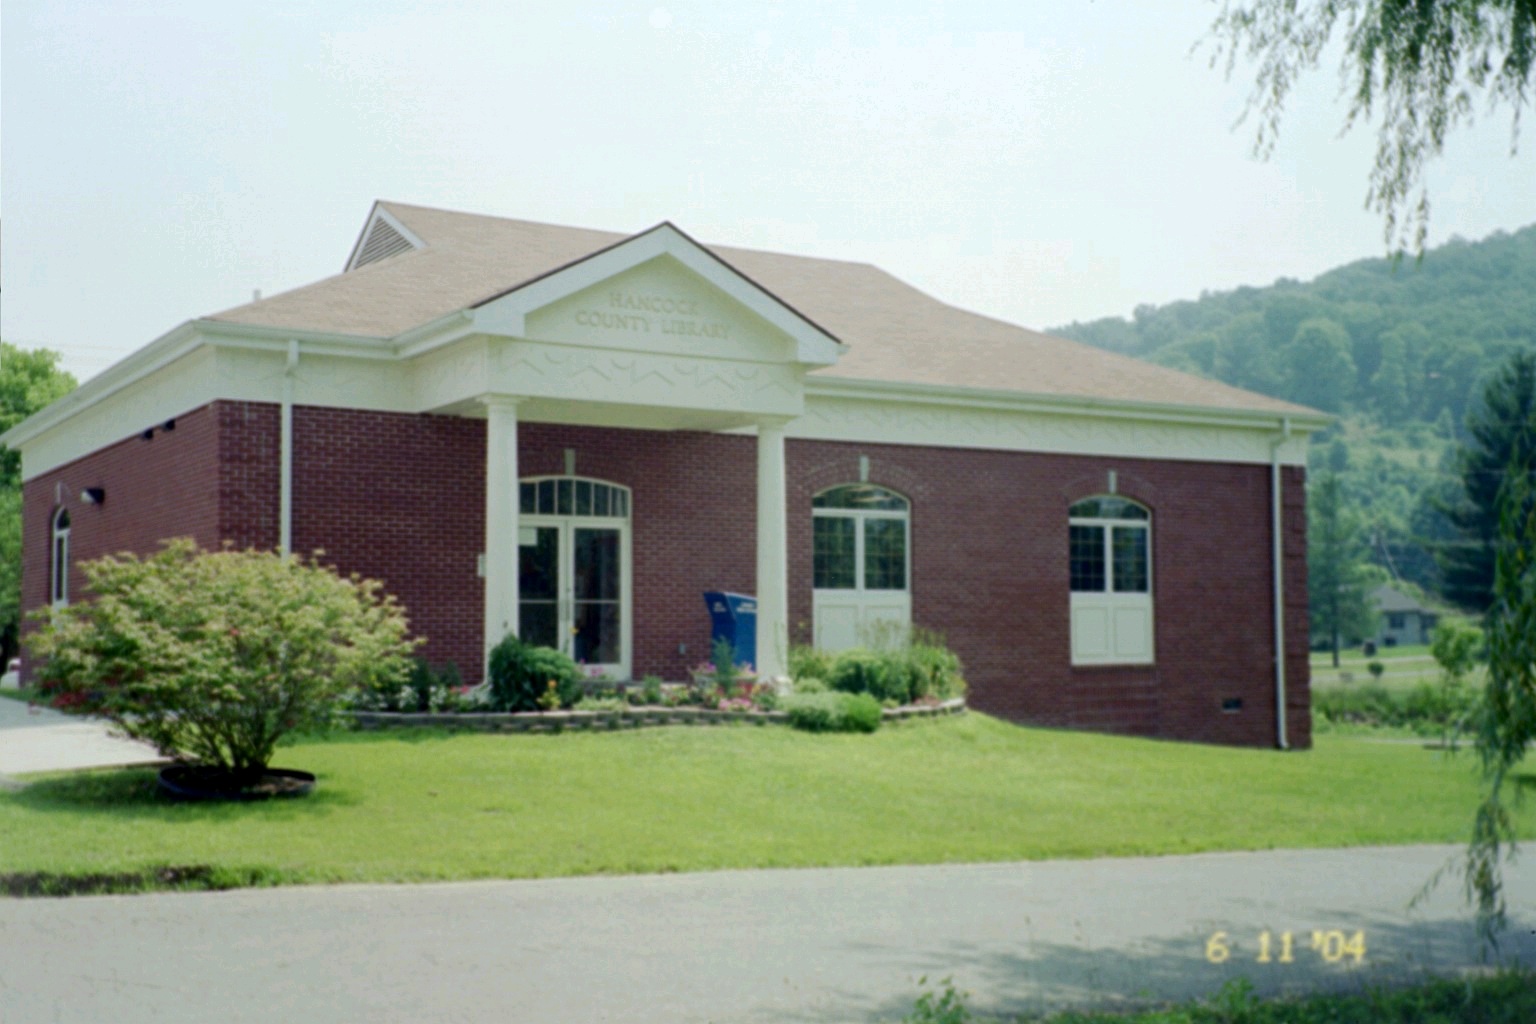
[894,333]
[660,287]
[383,236]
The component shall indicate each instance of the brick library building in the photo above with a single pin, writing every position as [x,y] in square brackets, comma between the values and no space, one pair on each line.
[574,434]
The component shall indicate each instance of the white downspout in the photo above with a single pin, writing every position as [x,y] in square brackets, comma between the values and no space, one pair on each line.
[1281,740]
[285,472]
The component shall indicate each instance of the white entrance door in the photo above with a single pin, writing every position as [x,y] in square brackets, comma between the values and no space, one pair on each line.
[574,585]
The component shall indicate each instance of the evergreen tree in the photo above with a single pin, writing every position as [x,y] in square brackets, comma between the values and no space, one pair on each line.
[1501,440]
[1338,579]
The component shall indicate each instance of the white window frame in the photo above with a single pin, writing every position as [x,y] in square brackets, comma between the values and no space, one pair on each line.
[567,523]
[1113,627]
[58,558]
[844,617]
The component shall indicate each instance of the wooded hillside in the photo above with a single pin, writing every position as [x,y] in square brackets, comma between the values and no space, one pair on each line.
[1398,351]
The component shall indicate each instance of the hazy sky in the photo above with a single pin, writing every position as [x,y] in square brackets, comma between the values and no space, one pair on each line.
[1037,162]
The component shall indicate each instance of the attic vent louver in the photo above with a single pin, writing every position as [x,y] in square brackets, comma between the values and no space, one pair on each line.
[383,241]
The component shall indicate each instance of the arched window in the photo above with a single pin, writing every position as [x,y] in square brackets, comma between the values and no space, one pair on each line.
[860,563]
[572,496]
[1110,547]
[59,581]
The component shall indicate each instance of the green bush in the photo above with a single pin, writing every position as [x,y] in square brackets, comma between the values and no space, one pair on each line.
[215,656]
[935,669]
[832,712]
[520,675]
[650,690]
[601,704]
[881,674]
[806,661]
[921,669]
[1457,646]
[1426,709]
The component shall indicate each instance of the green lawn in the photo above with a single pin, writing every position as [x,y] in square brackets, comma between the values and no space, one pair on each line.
[1350,657]
[1403,669]
[425,805]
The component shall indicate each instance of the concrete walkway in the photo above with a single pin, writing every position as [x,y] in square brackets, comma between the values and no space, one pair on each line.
[39,739]
[744,946]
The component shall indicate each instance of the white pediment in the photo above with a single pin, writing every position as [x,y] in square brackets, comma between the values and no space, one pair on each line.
[659,292]
[663,307]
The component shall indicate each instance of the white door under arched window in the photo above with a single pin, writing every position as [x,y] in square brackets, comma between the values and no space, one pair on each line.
[574,571]
[861,566]
[1110,545]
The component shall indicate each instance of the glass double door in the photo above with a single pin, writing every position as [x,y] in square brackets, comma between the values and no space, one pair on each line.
[573,590]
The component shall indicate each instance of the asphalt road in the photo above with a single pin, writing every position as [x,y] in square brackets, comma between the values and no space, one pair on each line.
[747,946]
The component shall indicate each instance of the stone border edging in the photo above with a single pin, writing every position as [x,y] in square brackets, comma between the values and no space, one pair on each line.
[628,718]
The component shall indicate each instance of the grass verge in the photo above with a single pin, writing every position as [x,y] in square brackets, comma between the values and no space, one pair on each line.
[426,805]
[1504,997]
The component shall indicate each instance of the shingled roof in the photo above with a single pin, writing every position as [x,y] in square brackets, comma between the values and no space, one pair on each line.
[894,332]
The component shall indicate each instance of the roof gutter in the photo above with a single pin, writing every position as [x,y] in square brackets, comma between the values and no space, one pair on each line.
[1024,401]
[1278,543]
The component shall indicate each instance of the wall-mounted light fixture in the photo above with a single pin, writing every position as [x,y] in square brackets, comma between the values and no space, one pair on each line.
[93,495]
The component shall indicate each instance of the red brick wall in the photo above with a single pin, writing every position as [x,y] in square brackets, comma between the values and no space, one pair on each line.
[990,572]
[693,524]
[167,486]
[401,498]
[250,439]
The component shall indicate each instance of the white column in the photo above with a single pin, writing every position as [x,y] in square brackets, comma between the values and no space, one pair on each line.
[772,553]
[501,513]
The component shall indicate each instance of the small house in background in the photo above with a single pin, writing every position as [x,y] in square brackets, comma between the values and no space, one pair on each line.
[1405,620]
[574,434]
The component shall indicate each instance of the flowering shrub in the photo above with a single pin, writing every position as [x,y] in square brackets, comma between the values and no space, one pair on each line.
[214,656]
[424,689]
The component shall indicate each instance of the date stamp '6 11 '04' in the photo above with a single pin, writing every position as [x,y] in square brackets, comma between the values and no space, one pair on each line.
[1332,946]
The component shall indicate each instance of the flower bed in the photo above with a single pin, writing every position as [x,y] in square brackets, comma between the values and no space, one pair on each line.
[626,718]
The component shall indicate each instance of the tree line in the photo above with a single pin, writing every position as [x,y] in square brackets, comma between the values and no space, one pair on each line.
[1403,353]
[29,380]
